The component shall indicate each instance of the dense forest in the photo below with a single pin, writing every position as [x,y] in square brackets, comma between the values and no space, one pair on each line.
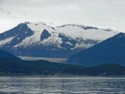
[13,67]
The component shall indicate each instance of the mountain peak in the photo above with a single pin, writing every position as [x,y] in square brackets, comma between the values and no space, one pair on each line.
[70,25]
[120,35]
[79,26]
[39,39]
[36,26]
[27,22]
[35,23]
[30,24]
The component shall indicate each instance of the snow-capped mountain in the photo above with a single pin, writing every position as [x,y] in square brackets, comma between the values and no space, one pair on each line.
[39,39]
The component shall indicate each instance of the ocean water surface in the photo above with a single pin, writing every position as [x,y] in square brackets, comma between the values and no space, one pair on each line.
[62,85]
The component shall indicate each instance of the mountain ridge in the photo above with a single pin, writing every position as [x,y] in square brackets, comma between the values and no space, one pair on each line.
[5,56]
[39,39]
[106,52]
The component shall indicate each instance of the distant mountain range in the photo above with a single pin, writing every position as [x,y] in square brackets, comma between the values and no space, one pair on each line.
[41,40]
[110,51]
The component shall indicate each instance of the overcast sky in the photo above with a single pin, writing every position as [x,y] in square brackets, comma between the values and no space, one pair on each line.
[99,13]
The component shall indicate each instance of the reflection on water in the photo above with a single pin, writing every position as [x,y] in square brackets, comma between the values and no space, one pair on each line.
[76,85]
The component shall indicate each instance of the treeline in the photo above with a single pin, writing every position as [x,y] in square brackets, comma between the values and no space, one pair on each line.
[19,67]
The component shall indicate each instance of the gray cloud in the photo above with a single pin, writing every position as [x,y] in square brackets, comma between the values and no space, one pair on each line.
[5,11]
[53,3]
[105,13]
[1,1]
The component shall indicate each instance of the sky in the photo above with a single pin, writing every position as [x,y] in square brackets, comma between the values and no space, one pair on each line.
[98,13]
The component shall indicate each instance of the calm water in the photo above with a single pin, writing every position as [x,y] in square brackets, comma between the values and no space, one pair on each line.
[76,85]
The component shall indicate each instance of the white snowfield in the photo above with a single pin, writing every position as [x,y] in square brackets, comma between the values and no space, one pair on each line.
[72,31]
[7,40]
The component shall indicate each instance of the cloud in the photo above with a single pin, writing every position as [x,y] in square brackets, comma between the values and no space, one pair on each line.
[60,3]
[19,6]
[5,11]
[48,3]
[1,1]
[105,13]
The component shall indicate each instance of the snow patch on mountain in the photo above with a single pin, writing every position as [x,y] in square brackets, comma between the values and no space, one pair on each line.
[67,39]
[6,41]
[75,31]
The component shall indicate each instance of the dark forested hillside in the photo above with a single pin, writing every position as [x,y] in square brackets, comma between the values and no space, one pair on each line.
[47,68]
[110,51]
[7,56]
[12,65]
